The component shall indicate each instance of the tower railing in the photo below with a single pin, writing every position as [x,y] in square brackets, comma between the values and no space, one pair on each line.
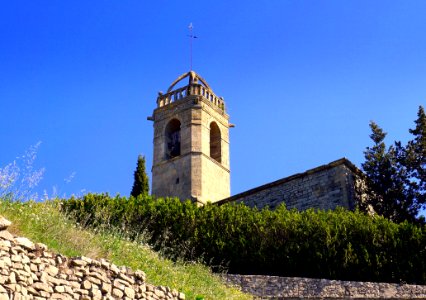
[193,89]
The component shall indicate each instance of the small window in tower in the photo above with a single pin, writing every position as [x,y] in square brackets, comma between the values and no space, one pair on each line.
[172,135]
[215,142]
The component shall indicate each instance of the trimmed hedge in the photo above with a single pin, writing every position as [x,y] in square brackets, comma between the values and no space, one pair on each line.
[336,244]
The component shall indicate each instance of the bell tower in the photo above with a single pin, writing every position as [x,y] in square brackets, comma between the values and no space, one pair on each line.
[191,143]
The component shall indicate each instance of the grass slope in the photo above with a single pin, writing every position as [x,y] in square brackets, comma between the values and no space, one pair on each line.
[42,222]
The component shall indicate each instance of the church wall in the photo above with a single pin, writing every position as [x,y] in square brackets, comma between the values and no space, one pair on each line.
[211,114]
[163,116]
[173,178]
[214,176]
[325,187]
[215,180]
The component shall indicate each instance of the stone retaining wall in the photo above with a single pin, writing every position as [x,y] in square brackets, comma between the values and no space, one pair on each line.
[30,271]
[267,287]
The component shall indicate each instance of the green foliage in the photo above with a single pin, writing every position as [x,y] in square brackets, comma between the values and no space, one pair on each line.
[415,157]
[324,244]
[43,222]
[396,175]
[141,181]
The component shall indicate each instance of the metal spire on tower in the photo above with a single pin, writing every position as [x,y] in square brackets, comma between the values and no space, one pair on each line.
[191,37]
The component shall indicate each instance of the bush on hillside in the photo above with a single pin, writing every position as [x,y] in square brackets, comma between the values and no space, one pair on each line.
[322,244]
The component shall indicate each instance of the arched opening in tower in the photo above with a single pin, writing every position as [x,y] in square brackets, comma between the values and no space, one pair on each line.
[172,139]
[215,142]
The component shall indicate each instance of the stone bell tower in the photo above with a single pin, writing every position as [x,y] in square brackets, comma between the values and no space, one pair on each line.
[191,143]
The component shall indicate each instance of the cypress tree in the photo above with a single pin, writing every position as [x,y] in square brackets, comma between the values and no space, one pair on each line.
[140,184]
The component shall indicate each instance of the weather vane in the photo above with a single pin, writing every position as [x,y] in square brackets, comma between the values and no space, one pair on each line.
[191,37]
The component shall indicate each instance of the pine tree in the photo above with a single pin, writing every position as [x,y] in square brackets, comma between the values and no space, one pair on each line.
[140,184]
[396,176]
[415,158]
[388,179]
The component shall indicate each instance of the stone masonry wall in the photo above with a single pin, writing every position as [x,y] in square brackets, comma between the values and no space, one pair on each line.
[324,187]
[192,174]
[30,271]
[267,287]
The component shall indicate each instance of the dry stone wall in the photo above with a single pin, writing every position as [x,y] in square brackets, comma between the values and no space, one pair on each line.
[273,287]
[31,271]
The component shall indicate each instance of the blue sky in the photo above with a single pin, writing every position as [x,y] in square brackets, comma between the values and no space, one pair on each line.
[301,80]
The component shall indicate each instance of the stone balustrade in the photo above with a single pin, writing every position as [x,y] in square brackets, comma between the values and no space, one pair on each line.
[189,90]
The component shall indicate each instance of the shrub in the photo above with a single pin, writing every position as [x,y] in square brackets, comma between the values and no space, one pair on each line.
[336,244]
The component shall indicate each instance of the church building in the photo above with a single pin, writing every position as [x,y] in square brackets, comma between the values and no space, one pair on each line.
[191,157]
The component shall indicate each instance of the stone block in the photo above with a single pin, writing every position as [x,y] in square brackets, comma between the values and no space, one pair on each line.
[24,243]
[4,223]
